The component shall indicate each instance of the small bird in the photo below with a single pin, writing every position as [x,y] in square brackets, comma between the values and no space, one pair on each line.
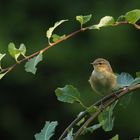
[102,80]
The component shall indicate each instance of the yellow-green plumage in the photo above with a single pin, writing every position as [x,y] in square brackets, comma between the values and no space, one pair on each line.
[102,79]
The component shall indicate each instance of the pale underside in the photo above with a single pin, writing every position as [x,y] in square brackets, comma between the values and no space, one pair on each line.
[102,82]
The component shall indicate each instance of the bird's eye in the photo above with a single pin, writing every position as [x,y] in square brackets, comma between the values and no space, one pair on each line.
[100,63]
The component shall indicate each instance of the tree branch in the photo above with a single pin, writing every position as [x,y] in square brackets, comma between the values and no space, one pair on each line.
[101,104]
[104,104]
[8,69]
[86,124]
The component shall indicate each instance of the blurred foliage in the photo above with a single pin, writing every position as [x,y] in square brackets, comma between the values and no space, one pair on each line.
[27,101]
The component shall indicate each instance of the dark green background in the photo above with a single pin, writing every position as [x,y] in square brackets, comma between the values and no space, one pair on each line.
[27,101]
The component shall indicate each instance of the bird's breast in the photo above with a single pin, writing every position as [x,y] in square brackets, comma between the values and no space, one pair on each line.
[102,81]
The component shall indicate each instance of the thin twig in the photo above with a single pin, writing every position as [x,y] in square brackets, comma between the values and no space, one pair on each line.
[120,23]
[72,123]
[86,124]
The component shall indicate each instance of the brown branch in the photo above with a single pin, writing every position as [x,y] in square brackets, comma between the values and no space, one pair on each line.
[87,112]
[86,124]
[101,104]
[8,69]
[104,104]
[120,23]
[72,124]
[100,109]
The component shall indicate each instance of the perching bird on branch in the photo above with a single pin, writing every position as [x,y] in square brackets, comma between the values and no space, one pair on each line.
[102,80]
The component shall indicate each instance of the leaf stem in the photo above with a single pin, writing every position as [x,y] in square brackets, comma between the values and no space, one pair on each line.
[82,104]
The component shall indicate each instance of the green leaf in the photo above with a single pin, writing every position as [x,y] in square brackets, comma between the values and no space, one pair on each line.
[82,120]
[133,16]
[92,128]
[51,29]
[56,37]
[92,109]
[83,19]
[70,135]
[1,57]
[136,81]
[106,118]
[13,51]
[68,94]
[105,21]
[31,64]
[124,79]
[2,74]
[47,132]
[125,100]
[121,18]
[22,49]
[138,74]
[116,137]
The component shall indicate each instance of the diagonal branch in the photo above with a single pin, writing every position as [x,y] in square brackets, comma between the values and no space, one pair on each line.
[8,69]
[101,104]
[104,104]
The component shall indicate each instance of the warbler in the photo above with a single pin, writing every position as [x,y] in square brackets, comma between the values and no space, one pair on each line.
[102,80]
